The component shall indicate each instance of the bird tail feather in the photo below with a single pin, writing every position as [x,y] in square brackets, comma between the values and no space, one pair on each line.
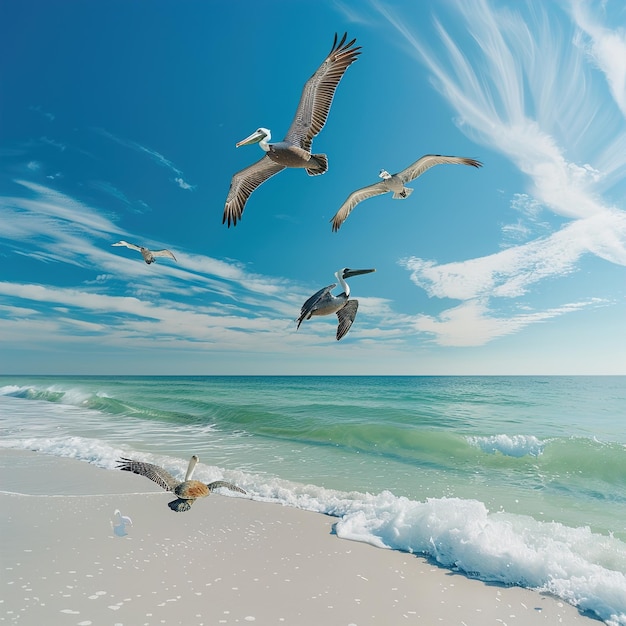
[405,193]
[179,505]
[319,164]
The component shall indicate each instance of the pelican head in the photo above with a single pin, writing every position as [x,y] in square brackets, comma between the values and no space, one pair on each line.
[346,272]
[258,136]
[384,174]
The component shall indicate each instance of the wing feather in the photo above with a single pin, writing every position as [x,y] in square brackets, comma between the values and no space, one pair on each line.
[132,246]
[221,483]
[353,199]
[166,253]
[155,473]
[309,305]
[346,316]
[318,92]
[430,160]
[244,183]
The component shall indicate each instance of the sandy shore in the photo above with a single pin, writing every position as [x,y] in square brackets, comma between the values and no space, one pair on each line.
[229,560]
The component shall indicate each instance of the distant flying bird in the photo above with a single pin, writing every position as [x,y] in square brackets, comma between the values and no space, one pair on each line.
[324,303]
[148,255]
[295,149]
[187,490]
[395,183]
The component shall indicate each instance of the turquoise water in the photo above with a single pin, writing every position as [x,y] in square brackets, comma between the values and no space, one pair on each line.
[516,479]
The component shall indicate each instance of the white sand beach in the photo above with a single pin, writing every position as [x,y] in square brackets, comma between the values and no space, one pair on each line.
[229,560]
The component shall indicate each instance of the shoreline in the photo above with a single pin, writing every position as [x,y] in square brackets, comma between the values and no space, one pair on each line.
[228,560]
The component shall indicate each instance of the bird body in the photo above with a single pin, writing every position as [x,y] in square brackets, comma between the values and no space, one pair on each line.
[295,149]
[325,303]
[188,490]
[148,255]
[396,183]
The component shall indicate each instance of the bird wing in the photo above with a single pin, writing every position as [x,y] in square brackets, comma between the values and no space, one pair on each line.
[166,253]
[318,93]
[309,305]
[220,483]
[346,316]
[353,199]
[430,160]
[244,183]
[132,246]
[155,473]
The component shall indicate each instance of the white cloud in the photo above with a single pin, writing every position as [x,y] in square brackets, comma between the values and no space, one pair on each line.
[184,185]
[605,45]
[473,324]
[157,157]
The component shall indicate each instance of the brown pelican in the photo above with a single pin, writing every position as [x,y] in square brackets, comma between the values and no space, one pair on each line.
[187,490]
[148,255]
[395,183]
[324,303]
[295,149]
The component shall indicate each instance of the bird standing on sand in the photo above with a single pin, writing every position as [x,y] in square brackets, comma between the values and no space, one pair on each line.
[324,303]
[396,183]
[295,149]
[148,255]
[120,522]
[187,490]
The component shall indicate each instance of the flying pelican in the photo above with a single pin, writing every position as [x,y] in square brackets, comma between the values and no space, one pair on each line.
[148,255]
[395,183]
[295,149]
[324,303]
[187,490]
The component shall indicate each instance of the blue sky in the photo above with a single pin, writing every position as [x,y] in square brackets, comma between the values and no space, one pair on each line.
[118,120]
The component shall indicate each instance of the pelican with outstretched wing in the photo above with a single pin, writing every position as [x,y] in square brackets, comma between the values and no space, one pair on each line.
[324,303]
[396,183]
[148,255]
[188,490]
[295,149]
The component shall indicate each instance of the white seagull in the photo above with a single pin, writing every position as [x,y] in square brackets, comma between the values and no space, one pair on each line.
[396,183]
[148,255]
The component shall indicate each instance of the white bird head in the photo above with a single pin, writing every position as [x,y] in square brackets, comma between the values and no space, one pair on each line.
[258,136]
[384,174]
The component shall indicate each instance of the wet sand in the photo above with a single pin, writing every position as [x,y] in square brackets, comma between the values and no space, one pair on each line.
[67,559]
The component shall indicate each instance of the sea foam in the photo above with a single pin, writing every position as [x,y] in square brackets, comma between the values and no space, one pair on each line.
[509,445]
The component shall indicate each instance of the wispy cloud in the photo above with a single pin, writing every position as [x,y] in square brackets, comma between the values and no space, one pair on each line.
[184,185]
[157,157]
[522,88]
[605,45]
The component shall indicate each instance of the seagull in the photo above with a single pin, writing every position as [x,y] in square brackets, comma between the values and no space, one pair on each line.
[187,490]
[395,183]
[324,303]
[295,149]
[148,255]
[120,523]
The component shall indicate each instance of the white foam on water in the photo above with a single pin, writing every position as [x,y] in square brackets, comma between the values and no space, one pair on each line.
[509,445]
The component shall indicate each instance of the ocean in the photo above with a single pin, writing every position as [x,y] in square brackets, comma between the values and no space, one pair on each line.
[514,480]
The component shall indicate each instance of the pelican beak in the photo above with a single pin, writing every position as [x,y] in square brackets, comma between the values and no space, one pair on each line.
[348,273]
[255,137]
